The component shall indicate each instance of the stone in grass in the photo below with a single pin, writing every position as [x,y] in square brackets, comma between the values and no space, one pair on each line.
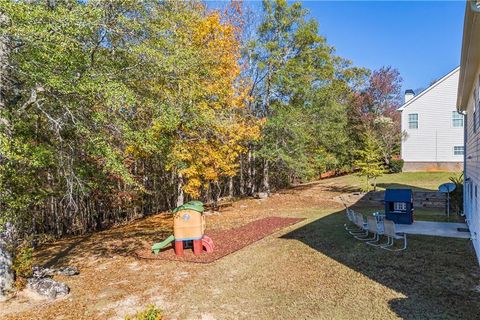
[261,195]
[48,287]
[6,274]
[40,272]
[68,271]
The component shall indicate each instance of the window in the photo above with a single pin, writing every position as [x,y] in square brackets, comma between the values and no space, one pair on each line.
[457,119]
[399,206]
[413,121]
[458,151]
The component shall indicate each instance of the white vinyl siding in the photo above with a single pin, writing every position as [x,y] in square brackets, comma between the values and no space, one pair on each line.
[413,121]
[457,119]
[435,135]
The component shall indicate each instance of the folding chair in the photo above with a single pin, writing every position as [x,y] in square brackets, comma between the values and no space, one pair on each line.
[372,227]
[392,235]
[360,222]
[351,219]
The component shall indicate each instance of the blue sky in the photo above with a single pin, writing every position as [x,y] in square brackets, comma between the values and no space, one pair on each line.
[421,39]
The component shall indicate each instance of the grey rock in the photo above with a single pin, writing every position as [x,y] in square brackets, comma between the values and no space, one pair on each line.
[6,273]
[261,195]
[48,287]
[68,271]
[40,272]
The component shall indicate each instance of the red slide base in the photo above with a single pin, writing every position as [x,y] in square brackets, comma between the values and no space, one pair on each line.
[197,247]
[179,248]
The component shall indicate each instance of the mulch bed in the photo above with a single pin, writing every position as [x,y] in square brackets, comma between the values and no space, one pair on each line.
[226,241]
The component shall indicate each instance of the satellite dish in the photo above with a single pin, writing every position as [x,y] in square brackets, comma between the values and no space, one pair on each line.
[447,187]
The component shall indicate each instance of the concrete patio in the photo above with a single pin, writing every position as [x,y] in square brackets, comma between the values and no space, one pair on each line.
[440,229]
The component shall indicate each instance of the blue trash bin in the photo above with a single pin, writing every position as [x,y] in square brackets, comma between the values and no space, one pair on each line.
[399,205]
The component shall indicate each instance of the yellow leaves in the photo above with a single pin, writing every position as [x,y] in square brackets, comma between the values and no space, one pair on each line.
[213,128]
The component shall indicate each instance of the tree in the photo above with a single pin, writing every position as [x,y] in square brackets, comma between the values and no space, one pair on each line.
[374,108]
[113,107]
[300,87]
[369,162]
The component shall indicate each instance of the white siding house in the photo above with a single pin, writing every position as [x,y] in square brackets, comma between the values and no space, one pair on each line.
[468,101]
[432,128]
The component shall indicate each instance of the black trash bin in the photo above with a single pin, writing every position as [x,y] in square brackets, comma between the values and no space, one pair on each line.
[399,205]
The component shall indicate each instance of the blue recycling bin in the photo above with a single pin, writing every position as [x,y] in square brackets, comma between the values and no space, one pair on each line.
[399,205]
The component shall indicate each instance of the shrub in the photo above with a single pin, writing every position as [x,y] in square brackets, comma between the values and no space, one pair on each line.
[395,165]
[456,197]
[22,266]
[150,313]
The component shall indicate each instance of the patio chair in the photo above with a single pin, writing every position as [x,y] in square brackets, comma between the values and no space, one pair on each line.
[351,219]
[363,235]
[372,227]
[392,235]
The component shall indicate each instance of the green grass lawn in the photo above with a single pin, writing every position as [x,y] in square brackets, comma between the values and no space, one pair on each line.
[415,180]
[434,278]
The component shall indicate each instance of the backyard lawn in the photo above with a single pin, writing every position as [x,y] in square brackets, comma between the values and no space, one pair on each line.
[415,180]
[310,270]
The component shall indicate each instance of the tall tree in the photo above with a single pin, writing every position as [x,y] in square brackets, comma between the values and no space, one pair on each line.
[300,87]
[374,108]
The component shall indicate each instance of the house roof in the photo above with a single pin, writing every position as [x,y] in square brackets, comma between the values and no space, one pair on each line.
[470,55]
[418,96]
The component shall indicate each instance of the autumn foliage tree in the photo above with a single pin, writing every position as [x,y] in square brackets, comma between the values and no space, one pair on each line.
[374,111]
[115,109]
[112,110]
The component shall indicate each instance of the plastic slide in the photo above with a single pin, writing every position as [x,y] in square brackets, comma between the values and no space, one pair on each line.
[160,245]
[208,244]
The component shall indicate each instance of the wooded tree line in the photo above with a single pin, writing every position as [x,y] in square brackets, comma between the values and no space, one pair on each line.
[111,110]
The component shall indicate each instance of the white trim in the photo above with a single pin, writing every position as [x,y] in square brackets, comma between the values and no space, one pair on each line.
[428,89]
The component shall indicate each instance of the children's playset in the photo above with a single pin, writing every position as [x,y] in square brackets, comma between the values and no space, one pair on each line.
[188,230]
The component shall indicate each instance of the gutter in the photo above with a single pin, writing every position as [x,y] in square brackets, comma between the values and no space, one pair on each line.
[475,6]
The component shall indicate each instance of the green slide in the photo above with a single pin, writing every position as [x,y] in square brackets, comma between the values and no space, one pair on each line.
[159,246]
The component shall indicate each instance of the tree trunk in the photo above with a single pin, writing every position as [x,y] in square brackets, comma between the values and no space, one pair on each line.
[242,182]
[250,172]
[4,63]
[253,176]
[230,187]
[266,183]
[181,196]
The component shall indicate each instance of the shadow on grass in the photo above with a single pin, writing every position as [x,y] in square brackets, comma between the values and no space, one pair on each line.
[403,186]
[437,275]
[117,241]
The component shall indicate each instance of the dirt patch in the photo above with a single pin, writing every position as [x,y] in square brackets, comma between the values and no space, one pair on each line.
[226,241]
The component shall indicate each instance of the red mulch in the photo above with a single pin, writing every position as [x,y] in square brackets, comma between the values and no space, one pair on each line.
[225,241]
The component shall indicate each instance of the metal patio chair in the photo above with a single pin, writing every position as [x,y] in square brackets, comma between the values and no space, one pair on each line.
[351,226]
[364,234]
[392,235]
